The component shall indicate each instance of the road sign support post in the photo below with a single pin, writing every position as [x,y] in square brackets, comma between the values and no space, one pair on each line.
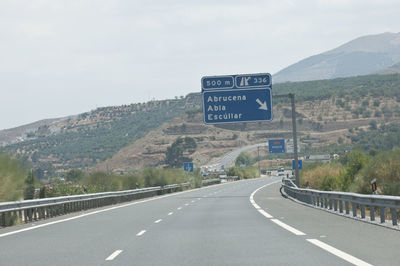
[294,130]
[296,158]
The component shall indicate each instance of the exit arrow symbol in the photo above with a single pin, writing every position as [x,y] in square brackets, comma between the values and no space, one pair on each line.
[263,105]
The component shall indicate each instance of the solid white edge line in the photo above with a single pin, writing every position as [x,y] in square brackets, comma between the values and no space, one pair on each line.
[159,220]
[266,214]
[115,254]
[109,209]
[288,227]
[338,253]
[141,233]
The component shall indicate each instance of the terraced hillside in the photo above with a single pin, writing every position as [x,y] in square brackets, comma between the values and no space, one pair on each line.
[128,138]
[329,112]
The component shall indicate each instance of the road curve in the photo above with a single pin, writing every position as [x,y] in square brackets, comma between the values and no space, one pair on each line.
[216,225]
[228,159]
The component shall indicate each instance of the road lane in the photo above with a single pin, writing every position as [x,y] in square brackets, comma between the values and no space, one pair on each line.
[223,229]
[220,229]
[371,243]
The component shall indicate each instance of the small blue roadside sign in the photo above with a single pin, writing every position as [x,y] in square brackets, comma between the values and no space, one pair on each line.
[237,106]
[188,166]
[300,164]
[276,146]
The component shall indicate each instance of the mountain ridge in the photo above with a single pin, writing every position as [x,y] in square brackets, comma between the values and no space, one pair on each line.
[361,56]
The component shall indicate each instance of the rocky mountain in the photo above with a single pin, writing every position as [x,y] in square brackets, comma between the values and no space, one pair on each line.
[362,56]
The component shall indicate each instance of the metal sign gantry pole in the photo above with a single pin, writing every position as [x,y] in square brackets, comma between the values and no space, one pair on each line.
[295,154]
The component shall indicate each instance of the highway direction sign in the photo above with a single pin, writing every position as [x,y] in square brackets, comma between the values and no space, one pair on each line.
[245,81]
[276,146]
[188,166]
[290,145]
[300,164]
[233,106]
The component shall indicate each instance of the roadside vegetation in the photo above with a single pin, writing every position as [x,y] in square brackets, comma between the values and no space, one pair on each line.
[355,171]
[12,175]
[243,168]
[18,182]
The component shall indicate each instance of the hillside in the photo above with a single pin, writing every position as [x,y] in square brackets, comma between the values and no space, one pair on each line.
[128,138]
[390,70]
[362,56]
[329,112]
[92,137]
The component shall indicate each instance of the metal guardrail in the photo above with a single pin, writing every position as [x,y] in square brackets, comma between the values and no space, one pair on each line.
[32,210]
[344,202]
[207,182]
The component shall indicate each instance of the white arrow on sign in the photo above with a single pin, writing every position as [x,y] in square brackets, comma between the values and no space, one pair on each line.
[263,105]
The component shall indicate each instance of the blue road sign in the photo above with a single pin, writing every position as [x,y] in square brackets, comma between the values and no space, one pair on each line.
[217,82]
[300,164]
[188,166]
[245,81]
[253,80]
[276,146]
[235,106]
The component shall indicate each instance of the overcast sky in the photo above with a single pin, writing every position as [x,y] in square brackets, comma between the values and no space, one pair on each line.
[60,58]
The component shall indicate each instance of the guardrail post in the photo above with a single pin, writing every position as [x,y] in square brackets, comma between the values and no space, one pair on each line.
[330,204]
[326,203]
[372,213]
[3,219]
[340,206]
[335,205]
[354,209]
[362,208]
[382,214]
[347,207]
[394,216]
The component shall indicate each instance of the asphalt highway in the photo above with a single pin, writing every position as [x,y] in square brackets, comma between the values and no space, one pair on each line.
[246,222]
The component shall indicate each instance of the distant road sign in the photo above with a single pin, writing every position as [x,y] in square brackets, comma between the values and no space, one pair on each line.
[243,81]
[233,106]
[276,146]
[188,166]
[290,145]
[300,164]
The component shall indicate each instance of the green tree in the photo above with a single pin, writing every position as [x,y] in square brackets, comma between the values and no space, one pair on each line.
[242,159]
[74,175]
[356,160]
[177,153]
[373,125]
[29,192]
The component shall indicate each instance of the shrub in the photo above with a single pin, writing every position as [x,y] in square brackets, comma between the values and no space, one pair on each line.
[12,176]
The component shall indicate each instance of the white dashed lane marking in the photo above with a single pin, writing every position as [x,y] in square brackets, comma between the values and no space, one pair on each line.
[141,233]
[114,255]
